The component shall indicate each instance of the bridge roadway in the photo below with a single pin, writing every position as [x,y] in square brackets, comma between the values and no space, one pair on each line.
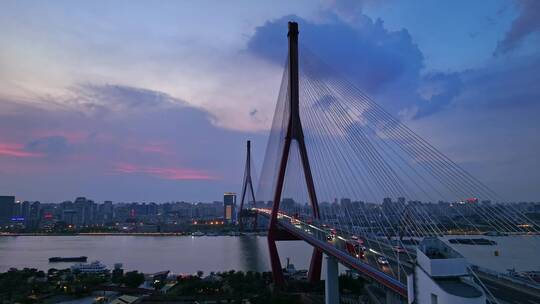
[336,248]
[385,274]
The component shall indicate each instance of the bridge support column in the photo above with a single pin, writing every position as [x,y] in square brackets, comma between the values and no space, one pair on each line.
[331,283]
[314,274]
[277,271]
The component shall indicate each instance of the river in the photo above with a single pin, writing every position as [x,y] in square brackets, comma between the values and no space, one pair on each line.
[179,254]
[187,254]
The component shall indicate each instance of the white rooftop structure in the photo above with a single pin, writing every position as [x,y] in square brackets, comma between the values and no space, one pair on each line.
[439,259]
[441,276]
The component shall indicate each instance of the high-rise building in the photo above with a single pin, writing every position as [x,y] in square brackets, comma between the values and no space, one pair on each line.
[229,206]
[7,204]
[345,201]
[106,212]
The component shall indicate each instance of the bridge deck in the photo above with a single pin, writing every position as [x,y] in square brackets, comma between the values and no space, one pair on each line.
[336,249]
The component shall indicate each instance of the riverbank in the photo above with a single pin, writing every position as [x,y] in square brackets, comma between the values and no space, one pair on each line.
[153,234]
[72,286]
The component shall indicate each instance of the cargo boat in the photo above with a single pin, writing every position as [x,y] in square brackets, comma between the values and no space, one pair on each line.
[67,259]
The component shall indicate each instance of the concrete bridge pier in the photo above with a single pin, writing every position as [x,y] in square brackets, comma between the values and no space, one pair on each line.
[331,282]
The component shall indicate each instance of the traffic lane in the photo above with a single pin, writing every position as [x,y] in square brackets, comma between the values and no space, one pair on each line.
[392,268]
[499,291]
[371,258]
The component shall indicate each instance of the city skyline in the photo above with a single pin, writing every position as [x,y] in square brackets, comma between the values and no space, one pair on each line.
[114,106]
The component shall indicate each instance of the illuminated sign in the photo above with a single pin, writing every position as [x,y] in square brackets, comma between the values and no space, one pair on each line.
[17,219]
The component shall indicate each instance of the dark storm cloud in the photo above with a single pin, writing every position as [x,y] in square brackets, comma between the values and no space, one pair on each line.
[387,65]
[370,54]
[527,23]
[375,59]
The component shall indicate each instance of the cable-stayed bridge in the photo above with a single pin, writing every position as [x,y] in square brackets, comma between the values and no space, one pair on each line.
[399,197]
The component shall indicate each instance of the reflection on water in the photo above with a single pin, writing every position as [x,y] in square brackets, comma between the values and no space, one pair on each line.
[251,256]
[180,254]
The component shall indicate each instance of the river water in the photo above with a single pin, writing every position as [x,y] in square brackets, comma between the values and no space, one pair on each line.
[179,254]
[187,254]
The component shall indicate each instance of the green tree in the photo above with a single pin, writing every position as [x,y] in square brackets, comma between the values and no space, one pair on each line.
[133,279]
[117,275]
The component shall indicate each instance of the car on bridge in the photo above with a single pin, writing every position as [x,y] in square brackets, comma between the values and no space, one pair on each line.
[382,261]
[296,222]
[356,238]
[355,249]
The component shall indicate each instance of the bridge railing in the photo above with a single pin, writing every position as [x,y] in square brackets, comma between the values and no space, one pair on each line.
[506,277]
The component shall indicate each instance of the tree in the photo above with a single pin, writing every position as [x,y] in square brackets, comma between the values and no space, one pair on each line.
[133,279]
[117,275]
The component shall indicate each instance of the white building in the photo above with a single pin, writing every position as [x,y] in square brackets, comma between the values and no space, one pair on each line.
[441,276]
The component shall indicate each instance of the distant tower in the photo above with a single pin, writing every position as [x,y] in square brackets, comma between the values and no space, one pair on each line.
[229,206]
[441,276]
[247,185]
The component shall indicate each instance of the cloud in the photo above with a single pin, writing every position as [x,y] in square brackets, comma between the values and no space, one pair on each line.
[16,150]
[125,96]
[477,116]
[165,173]
[438,90]
[527,23]
[349,10]
[51,145]
[370,54]
[325,102]
[151,147]
[164,149]
[103,99]
[387,65]
[508,84]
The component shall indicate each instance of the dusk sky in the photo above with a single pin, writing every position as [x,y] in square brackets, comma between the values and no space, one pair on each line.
[153,101]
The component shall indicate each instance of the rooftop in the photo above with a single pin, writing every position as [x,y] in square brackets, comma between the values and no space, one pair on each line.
[459,288]
[438,259]
[434,248]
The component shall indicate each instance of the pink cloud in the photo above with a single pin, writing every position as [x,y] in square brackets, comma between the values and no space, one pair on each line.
[149,147]
[165,173]
[16,150]
[71,136]
[155,148]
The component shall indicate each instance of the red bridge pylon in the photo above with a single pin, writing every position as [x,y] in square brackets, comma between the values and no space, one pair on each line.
[294,132]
